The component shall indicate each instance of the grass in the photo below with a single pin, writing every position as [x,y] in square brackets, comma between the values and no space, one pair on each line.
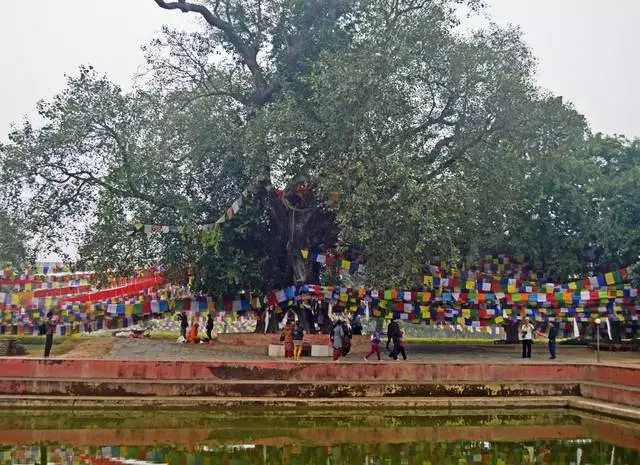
[449,341]
[37,340]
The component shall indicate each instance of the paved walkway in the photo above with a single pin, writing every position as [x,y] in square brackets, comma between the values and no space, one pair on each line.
[147,349]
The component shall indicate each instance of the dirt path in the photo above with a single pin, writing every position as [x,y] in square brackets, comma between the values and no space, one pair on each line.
[146,349]
[97,347]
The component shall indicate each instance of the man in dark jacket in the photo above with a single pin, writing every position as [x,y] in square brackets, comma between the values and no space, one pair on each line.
[553,334]
[50,323]
[184,324]
[393,333]
[209,326]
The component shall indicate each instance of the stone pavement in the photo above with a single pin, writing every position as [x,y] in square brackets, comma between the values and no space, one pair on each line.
[148,349]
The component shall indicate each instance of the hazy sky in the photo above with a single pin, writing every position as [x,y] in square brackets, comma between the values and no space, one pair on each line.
[586,50]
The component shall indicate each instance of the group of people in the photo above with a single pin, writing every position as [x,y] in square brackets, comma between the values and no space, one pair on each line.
[341,340]
[191,336]
[292,337]
[526,333]
[341,335]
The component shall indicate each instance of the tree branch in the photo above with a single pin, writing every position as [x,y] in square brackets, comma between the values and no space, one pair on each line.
[248,53]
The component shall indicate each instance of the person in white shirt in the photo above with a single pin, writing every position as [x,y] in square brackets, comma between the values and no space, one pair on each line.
[526,336]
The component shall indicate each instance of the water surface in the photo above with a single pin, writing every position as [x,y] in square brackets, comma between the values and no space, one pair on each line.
[328,437]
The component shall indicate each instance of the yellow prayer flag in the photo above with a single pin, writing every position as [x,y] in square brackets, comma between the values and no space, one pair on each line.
[609,278]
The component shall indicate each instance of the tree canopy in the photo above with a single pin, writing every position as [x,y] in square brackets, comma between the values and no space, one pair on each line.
[411,138]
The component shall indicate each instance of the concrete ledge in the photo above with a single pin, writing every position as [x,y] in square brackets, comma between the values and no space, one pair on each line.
[320,351]
[277,350]
[615,393]
[441,403]
[269,388]
[624,412]
[197,403]
[310,380]
[367,403]
[289,370]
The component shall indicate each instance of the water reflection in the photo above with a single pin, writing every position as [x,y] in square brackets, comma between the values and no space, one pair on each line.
[315,438]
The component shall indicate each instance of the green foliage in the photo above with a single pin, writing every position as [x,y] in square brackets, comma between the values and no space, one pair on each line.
[438,143]
[246,255]
[13,240]
[212,239]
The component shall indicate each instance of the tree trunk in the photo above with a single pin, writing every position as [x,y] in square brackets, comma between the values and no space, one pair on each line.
[511,331]
[380,325]
[260,324]
[323,316]
[616,332]
[274,320]
[306,318]
[301,222]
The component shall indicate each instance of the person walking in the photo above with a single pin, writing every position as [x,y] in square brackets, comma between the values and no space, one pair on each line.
[346,337]
[209,327]
[398,344]
[337,340]
[526,336]
[393,334]
[375,346]
[552,335]
[298,336]
[392,330]
[50,323]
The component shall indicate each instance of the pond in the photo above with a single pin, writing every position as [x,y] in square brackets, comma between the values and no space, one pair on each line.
[327,437]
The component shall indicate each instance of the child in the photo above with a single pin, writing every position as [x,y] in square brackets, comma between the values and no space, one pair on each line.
[375,346]
[298,335]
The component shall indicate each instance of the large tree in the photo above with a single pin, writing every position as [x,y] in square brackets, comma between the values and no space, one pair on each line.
[436,141]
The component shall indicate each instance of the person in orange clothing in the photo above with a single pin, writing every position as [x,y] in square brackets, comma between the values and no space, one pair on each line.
[192,335]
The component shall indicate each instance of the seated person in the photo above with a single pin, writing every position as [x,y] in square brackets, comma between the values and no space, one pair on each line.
[192,335]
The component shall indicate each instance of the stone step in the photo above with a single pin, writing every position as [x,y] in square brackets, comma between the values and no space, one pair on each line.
[284,388]
[357,370]
[615,393]
[444,404]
